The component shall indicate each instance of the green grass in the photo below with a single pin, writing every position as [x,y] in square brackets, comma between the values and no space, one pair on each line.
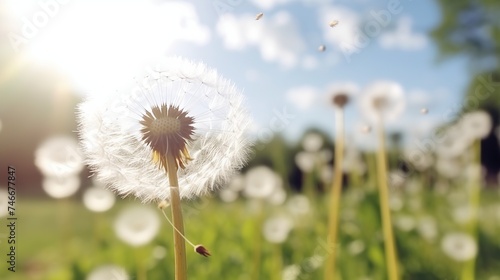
[58,240]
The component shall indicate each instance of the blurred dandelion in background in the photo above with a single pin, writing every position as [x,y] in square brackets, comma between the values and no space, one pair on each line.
[383,100]
[61,187]
[108,272]
[59,156]
[459,246]
[261,182]
[98,199]
[276,229]
[137,225]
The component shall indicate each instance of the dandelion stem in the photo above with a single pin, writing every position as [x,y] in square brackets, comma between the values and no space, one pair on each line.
[390,248]
[335,193]
[175,201]
[474,193]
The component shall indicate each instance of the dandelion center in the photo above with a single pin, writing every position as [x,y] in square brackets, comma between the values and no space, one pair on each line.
[167,131]
[165,125]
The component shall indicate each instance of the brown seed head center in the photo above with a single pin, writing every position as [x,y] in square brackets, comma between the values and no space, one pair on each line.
[165,125]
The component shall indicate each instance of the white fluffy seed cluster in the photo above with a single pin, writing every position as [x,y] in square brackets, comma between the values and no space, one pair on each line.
[110,132]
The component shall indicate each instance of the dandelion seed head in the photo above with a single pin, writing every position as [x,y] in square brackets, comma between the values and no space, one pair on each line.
[181,109]
[159,252]
[276,229]
[459,246]
[108,272]
[476,125]
[61,187]
[98,199]
[312,142]
[305,161]
[59,156]
[261,182]
[427,228]
[228,195]
[383,100]
[137,225]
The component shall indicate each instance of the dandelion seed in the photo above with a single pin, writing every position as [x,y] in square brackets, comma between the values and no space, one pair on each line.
[459,246]
[108,272]
[182,109]
[356,247]
[424,111]
[291,272]
[259,16]
[137,225]
[340,94]
[321,48]
[299,205]
[98,199]
[334,23]
[61,187]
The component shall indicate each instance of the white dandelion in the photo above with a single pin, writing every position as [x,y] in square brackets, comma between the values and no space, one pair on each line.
[476,125]
[137,225]
[306,161]
[181,110]
[98,199]
[108,272]
[299,205]
[427,228]
[459,246]
[261,182]
[312,142]
[276,229]
[59,156]
[61,187]
[340,94]
[291,272]
[228,195]
[383,100]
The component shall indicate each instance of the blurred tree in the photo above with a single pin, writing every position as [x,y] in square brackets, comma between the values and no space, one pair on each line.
[472,28]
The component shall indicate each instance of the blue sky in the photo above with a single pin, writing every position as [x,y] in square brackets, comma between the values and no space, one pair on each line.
[274,60]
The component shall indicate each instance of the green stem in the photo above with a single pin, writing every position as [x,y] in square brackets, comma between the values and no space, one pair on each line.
[390,248]
[175,205]
[335,193]
[278,261]
[258,242]
[468,271]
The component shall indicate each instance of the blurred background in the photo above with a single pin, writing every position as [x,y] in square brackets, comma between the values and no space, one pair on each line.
[270,222]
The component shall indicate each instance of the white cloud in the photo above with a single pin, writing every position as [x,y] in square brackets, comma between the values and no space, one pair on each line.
[402,37]
[269,4]
[278,38]
[345,34]
[302,97]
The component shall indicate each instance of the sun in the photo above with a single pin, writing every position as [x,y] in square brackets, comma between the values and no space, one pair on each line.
[98,45]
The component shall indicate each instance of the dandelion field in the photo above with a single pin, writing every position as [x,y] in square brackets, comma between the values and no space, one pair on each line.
[61,239]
